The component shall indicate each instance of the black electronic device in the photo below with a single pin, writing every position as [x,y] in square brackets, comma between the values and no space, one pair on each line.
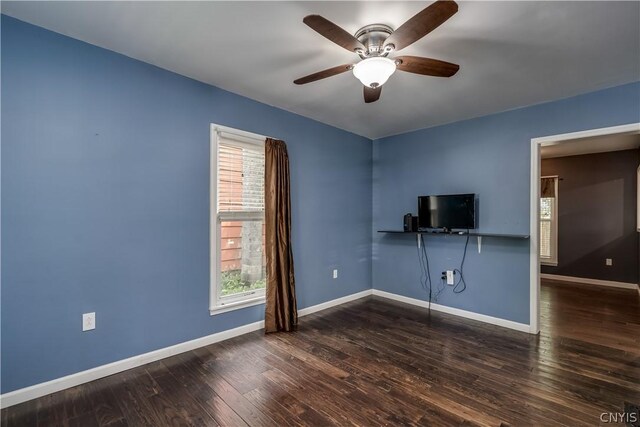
[447,212]
[410,222]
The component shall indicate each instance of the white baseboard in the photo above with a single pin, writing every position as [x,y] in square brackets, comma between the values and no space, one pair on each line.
[333,303]
[58,384]
[584,281]
[455,311]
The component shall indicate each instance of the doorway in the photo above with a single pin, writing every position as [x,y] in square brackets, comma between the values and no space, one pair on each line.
[577,140]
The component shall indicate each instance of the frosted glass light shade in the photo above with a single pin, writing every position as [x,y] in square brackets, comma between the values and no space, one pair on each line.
[373,72]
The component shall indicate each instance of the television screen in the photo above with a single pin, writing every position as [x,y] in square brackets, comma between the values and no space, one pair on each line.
[450,211]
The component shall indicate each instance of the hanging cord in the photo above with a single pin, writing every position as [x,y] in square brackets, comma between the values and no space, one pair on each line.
[426,259]
[441,287]
[425,272]
[456,288]
[423,275]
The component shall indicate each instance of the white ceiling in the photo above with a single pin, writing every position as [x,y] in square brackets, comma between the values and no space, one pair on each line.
[511,54]
[597,144]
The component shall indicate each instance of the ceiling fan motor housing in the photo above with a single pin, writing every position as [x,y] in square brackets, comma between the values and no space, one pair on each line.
[373,37]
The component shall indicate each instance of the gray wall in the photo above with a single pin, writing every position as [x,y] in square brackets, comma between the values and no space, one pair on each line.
[597,215]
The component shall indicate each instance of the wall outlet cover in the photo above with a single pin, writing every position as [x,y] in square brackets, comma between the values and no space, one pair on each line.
[88,321]
[335,273]
[608,261]
[449,277]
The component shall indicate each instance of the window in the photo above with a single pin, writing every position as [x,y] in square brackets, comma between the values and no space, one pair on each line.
[549,221]
[237,236]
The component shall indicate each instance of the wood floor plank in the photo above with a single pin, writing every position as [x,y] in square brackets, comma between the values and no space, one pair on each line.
[177,405]
[303,413]
[88,419]
[376,362]
[24,414]
[133,389]
[104,402]
[266,403]
[194,372]
[362,392]
[320,387]
[51,410]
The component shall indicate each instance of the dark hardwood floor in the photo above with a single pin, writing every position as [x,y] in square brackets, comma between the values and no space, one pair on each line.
[375,362]
[599,315]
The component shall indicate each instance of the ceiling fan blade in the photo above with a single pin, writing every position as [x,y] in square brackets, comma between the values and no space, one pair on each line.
[426,66]
[323,74]
[422,24]
[372,95]
[334,33]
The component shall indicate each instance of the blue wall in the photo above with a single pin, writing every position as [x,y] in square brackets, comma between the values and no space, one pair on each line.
[105,203]
[489,156]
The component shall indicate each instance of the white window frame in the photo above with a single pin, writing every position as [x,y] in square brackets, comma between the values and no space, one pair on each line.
[217,303]
[553,260]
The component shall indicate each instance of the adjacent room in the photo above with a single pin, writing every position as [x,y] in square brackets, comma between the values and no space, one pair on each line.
[321,213]
[589,238]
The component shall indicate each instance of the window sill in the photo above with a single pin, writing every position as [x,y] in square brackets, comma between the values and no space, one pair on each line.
[549,263]
[236,305]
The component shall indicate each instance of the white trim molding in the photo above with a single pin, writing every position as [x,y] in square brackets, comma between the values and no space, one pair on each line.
[534,239]
[58,384]
[38,390]
[534,205]
[587,281]
[455,311]
[237,305]
[338,301]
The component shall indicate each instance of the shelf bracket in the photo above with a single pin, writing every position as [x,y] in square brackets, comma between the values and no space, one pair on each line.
[479,244]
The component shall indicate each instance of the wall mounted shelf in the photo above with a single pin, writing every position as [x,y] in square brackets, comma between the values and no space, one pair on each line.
[479,235]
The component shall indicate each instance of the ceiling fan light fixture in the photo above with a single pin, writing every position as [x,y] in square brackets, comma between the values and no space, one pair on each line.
[374,72]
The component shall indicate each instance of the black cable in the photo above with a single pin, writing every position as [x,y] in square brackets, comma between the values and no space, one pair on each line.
[425,271]
[441,287]
[461,269]
[423,278]
[426,258]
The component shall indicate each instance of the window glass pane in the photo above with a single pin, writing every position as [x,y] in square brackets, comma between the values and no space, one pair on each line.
[546,208]
[240,177]
[243,262]
[545,239]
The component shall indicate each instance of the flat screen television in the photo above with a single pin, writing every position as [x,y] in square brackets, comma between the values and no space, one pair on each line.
[447,212]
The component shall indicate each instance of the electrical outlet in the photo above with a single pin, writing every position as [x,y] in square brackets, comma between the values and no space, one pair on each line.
[608,262]
[335,273]
[449,277]
[88,321]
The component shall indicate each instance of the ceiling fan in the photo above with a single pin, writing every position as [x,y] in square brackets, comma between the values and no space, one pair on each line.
[373,43]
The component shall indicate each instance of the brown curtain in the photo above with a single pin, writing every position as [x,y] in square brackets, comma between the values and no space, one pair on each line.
[281,313]
[547,187]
